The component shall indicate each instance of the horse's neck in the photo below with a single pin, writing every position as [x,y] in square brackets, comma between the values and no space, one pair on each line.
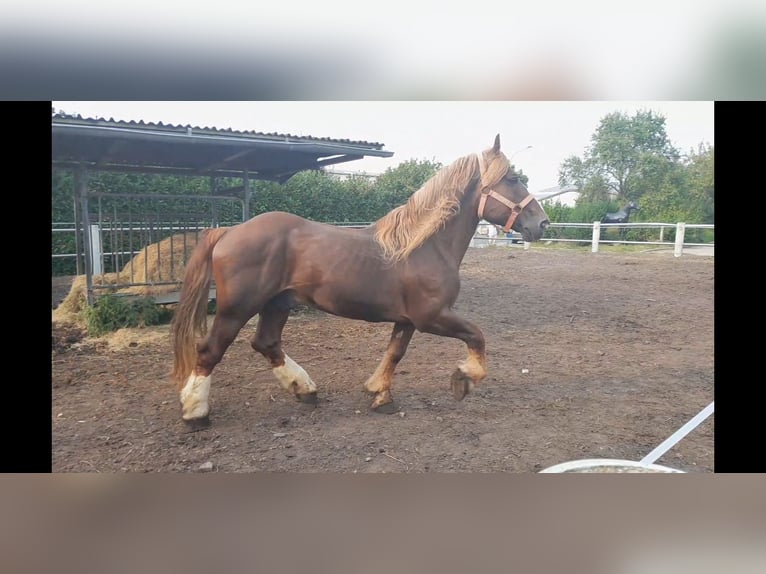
[455,237]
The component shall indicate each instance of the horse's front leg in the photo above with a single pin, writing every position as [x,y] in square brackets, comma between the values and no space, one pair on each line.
[379,382]
[474,368]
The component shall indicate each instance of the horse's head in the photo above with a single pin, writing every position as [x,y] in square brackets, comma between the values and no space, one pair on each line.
[505,200]
[632,206]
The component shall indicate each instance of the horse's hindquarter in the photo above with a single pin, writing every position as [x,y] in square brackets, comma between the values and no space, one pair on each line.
[250,259]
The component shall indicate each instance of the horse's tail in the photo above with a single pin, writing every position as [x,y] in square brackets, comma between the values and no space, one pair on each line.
[190,317]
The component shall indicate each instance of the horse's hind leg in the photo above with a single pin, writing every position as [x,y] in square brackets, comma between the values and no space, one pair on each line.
[268,341]
[474,368]
[380,381]
[210,351]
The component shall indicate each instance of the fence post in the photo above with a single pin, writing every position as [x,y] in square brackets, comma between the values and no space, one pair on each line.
[596,236]
[680,228]
[96,254]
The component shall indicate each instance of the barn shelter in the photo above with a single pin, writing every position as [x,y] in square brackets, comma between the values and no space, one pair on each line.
[116,227]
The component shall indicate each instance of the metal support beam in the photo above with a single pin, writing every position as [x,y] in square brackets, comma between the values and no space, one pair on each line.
[246,196]
[338,159]
[79,263]
[81,185]
[225,161]
[213,204]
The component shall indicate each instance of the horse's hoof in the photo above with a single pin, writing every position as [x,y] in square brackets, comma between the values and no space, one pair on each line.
[308,398]
[461,385]
[386,408]
[194,425]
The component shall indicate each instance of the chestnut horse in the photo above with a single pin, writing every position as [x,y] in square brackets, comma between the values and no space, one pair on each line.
[402,269]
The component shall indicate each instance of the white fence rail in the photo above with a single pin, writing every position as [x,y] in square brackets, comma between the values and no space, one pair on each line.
[598,235]
[482,237]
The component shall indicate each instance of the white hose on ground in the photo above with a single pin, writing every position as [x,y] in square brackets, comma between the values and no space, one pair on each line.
[671,441]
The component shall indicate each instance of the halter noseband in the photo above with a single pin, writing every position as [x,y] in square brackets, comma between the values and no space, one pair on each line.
[486,192]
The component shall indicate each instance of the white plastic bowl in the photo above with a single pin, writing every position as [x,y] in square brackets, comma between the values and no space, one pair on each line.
[608,465]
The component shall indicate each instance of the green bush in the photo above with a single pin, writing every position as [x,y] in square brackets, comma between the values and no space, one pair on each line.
[111,312]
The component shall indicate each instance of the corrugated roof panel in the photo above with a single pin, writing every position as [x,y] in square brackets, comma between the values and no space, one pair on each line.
[151,147]
[209,130]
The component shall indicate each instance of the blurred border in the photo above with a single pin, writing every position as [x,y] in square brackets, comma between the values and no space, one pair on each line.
[708,50]
[632,524]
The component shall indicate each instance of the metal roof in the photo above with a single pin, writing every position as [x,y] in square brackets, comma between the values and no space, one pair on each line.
[111,145]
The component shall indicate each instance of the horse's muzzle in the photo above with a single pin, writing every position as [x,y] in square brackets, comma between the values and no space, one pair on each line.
[535,233]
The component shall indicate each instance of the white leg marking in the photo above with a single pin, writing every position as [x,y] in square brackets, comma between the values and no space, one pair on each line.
[291,372]
[194,397]
[474,367]
[381,378]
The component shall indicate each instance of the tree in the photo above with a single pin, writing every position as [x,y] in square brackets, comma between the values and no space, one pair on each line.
[699,166]
[687,192]
[628,157]
[397,184]
[520,172]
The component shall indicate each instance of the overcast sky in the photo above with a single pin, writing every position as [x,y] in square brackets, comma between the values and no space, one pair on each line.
[425,130]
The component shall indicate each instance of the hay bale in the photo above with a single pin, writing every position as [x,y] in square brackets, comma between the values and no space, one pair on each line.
[71,307]
[163,261]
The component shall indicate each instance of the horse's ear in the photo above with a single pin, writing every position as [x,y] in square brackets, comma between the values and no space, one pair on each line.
[496,147]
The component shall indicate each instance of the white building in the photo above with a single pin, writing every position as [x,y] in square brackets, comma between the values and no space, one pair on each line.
[565,195]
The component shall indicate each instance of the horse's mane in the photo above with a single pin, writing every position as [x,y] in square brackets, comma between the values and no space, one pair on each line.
[407,227]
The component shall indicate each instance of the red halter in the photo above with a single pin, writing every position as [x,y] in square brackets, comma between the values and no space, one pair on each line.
[515,207]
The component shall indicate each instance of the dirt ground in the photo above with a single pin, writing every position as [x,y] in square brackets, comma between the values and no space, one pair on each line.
[590,356]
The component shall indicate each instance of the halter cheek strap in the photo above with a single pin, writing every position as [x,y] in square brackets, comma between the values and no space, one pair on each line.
[515,207]
[486,192]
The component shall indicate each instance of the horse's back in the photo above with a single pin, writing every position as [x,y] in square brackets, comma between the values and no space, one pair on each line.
[273,221]
[280,239]
[278,223]
[339,270]
[266,228]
